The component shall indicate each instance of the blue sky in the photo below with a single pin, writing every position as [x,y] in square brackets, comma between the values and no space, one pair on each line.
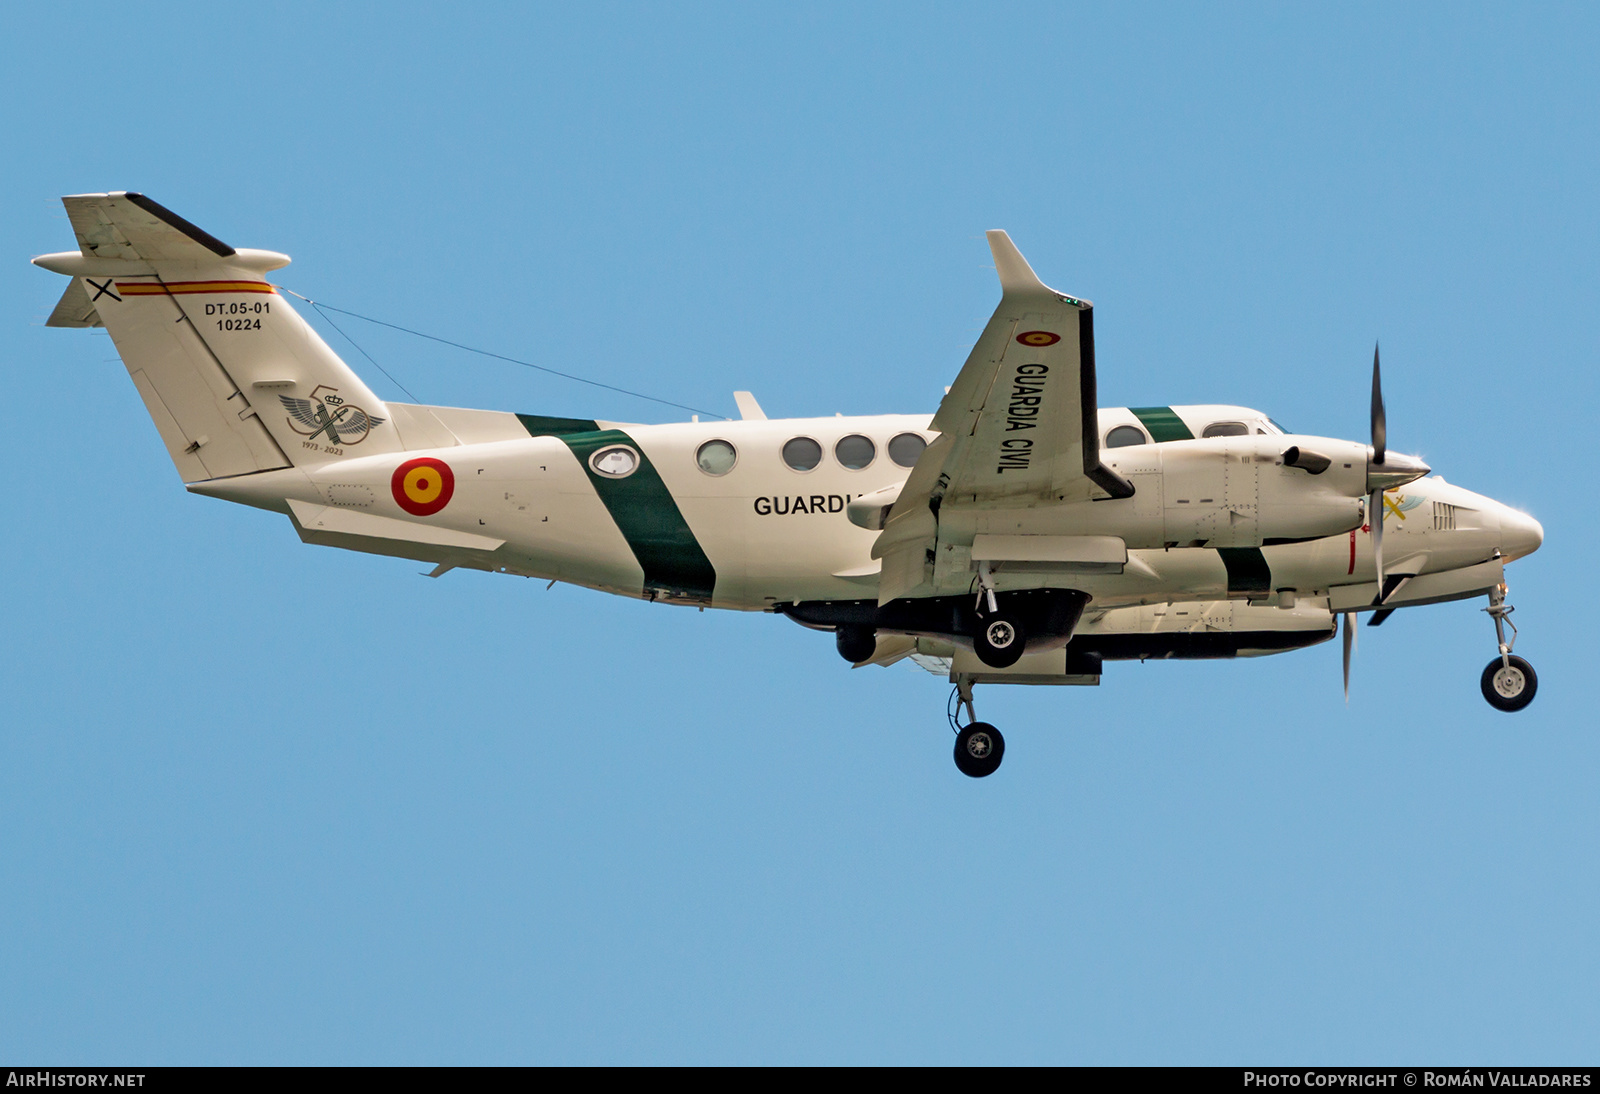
[263,802]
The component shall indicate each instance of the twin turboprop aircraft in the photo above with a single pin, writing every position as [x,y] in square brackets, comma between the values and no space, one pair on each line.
[1020,536]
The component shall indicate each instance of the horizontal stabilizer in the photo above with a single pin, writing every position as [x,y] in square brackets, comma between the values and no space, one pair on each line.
[131,226]
[74,309]
[328,518]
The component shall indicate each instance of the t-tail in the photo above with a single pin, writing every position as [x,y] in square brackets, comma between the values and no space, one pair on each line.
[234,379]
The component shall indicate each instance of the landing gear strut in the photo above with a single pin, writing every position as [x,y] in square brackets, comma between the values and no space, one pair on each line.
[979,746]
[1508,682]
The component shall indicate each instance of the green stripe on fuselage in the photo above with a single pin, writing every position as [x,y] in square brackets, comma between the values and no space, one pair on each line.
[648,517]
[539,425]
[1162,423]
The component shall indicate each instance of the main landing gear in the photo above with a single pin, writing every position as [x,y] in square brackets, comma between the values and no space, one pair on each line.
[1508,682]
[999,638]
[979,746]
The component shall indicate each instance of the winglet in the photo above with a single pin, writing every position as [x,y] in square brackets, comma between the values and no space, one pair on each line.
[1016,276]
[1015,273]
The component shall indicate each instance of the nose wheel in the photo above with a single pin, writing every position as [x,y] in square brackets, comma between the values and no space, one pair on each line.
[979,745]
[1508,682]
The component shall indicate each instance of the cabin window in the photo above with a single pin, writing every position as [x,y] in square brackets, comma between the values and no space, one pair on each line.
[617,462]
[1226,429]
[855,451]
[905,448]
[802,454]
[716,457]
[1125,435]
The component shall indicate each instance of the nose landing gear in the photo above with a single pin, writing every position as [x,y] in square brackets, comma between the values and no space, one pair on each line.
[1508,682]
[979,745]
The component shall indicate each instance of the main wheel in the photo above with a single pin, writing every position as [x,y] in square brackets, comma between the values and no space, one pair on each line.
[979,750]
[856,643]
[999,641]
[1509,687]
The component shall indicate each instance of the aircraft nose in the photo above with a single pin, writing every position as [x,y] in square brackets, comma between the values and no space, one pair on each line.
[1520,534]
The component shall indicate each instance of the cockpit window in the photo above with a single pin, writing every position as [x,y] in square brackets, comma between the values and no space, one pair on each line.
[1276,426]
[1226,429]
[1124,435]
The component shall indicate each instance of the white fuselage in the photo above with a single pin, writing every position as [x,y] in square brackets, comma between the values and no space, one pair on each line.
[529,505]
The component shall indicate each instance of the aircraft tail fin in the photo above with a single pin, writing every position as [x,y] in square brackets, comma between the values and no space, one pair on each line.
[234,379]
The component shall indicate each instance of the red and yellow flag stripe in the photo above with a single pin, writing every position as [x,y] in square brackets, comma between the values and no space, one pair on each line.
[181,288]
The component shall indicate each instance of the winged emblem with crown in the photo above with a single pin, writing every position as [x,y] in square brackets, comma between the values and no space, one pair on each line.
[327,415]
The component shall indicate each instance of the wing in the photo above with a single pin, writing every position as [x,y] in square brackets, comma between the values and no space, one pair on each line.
[1017,428]
[1021,415]
[300,410]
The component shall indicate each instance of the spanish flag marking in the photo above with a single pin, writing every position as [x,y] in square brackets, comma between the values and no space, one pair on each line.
[423,486]
[183,288]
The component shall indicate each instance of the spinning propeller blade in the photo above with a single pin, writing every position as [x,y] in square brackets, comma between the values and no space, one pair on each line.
[1384,472]
[1375,522]
[1380,424]
[1380,438]
[1349,648]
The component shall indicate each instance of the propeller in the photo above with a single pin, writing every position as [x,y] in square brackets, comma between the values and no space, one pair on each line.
[1384,472]
[1380,438]
[1349,648]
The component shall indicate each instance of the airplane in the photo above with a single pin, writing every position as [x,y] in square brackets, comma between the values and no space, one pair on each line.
[1019,535]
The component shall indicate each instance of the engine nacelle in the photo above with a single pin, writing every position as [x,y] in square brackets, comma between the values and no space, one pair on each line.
[1241,492]
[1212,492]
